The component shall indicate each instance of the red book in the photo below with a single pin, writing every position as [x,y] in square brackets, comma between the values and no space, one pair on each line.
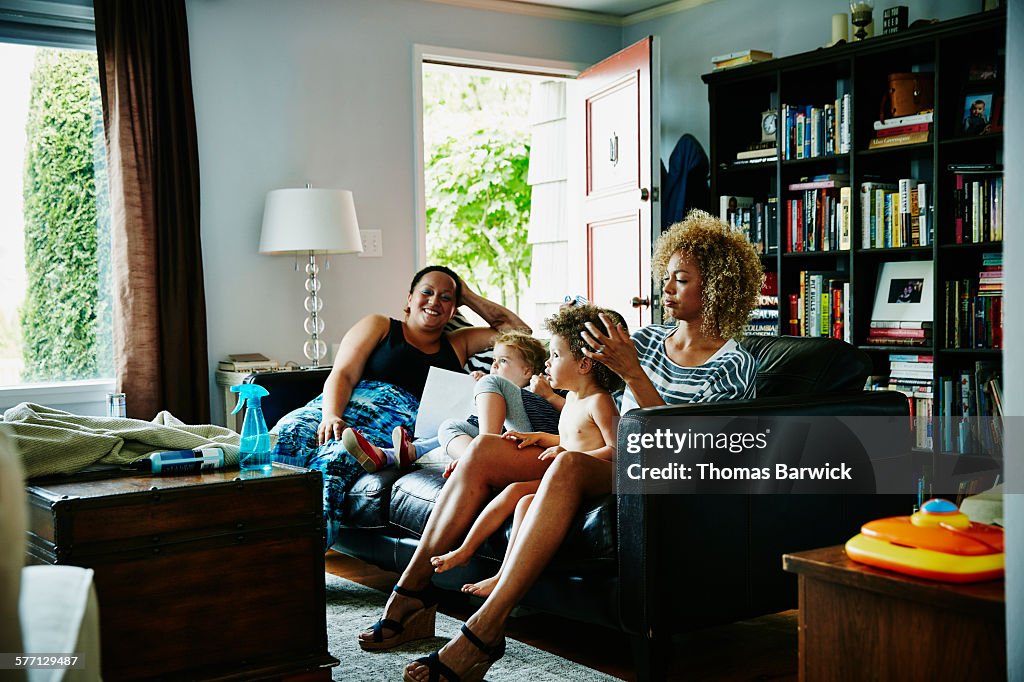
[958,219]
[902,130]
[794,315]
[890,332]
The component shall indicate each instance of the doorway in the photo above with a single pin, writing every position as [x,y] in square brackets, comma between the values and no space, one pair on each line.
[492,176]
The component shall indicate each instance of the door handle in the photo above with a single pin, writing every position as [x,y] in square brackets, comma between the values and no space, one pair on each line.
[645,194]
[638,302]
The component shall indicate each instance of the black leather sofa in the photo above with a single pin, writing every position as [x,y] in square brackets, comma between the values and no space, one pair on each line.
[652,565]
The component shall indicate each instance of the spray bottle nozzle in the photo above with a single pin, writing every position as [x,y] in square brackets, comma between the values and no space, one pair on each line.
[248,393]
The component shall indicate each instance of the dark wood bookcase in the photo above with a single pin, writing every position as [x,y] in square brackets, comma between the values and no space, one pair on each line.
[955,53]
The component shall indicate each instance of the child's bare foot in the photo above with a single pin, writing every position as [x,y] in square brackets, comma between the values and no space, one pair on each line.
[454,558]
[482,588]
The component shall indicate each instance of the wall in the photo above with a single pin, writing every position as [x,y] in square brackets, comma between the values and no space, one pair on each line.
[322,92]
[1013,363]
[689,39]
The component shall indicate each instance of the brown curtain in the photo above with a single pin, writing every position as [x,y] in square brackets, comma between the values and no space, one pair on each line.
[149,118]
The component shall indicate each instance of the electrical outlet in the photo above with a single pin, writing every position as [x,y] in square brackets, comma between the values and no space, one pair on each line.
[372,245]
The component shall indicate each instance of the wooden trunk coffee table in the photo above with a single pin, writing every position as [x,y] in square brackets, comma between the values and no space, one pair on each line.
[863,623]
[208,576]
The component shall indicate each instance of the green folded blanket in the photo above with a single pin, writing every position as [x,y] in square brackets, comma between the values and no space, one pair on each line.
[55,442]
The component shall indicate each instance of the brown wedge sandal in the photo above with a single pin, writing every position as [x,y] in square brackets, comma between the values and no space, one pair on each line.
[418,624]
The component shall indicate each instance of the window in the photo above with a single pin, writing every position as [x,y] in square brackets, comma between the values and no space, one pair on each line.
[55,285]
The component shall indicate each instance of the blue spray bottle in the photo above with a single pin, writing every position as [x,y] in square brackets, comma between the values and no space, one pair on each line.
[254,451]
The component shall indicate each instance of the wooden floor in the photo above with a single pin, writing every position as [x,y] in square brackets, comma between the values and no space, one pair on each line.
[760,649]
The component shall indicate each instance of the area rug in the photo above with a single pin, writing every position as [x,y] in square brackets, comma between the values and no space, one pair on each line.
[351,607]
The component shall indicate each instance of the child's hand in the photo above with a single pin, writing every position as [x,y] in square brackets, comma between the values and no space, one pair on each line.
[525,439]
[539,385]
[551,453]
[450,468]
[477,375]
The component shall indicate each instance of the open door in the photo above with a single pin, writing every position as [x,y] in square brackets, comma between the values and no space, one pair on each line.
[617,176]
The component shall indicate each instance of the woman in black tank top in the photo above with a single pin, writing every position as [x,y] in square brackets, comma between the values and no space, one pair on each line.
[378,377]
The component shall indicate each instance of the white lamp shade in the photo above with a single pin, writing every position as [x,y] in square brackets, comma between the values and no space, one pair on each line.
[305,220]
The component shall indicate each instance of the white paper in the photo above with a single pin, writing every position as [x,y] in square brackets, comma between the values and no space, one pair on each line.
[446,395]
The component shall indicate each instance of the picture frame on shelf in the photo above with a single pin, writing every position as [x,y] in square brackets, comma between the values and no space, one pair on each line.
[905,292]
[977,112]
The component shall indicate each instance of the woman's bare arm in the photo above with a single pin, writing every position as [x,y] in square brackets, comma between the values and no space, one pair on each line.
[356,347]
[473,340]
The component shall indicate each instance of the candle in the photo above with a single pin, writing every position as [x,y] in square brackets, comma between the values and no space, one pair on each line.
[839,28]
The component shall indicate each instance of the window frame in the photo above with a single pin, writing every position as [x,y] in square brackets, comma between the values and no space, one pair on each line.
[59,24]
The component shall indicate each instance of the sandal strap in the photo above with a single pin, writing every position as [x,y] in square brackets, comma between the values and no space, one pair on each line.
[437,668]
[378,628]
[428,595]
[493,651]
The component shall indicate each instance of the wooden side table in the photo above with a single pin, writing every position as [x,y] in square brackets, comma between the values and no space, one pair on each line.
[862,623]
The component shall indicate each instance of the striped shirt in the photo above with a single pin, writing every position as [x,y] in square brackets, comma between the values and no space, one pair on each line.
[726,375]
[542,415]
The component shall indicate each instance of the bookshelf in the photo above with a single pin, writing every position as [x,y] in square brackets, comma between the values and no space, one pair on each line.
[846,85]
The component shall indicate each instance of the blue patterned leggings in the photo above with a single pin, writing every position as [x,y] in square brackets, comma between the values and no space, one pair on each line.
[375,408]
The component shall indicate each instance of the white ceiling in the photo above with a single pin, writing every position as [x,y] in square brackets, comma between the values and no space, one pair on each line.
[619,8]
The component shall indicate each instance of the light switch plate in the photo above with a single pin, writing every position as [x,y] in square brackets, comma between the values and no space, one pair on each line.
[372,246]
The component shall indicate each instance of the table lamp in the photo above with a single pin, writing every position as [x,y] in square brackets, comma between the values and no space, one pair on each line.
[313,222]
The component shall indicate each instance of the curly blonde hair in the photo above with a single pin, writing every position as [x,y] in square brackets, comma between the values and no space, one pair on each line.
[570,322]
[534,352]
[730,269]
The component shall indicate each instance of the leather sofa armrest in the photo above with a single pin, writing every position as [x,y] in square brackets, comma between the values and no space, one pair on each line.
[662,537]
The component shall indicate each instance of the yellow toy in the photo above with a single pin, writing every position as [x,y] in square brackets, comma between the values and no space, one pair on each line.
[939,542]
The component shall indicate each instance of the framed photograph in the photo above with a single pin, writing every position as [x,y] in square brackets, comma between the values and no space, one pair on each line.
[905,292]
[976,113]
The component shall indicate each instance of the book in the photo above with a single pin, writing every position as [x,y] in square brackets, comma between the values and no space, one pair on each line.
[913,119]
[901,324]
[248,357]
[845,227]
[900,332]
[901,130]
[756,55]
[898,140]
[869,213]
[252,366]
[757,153]
[824,183]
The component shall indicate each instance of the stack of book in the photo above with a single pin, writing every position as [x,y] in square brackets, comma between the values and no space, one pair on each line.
[810,131]
[900,333]
[247,362]
[977,203]
[896,132]
[764,320]
[762,151]
[741,58]
[818,219]
[974,308]
[756,219]
[822,308]
[895,214]
[911,375]
[969,402]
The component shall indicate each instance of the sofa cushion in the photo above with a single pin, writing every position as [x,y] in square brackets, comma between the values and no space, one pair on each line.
[366,503]
[796,365]
[592,534]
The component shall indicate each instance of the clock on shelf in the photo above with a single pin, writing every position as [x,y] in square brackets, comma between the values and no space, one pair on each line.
[769,124]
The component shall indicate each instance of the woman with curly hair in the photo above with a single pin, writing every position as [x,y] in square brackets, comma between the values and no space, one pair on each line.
[711,279]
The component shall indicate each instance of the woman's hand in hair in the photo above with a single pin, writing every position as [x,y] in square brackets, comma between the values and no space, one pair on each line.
[615,350]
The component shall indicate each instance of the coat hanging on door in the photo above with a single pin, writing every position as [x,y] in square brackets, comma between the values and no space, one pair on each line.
[685,183]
